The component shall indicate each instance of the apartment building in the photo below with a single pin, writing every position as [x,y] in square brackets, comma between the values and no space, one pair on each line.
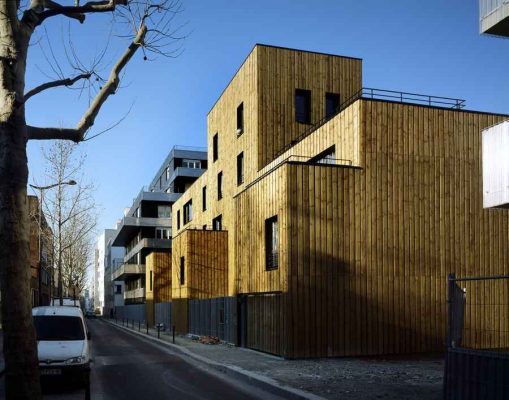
[41,254]
[146,228]
[494,17]
[107,256]
[330,214]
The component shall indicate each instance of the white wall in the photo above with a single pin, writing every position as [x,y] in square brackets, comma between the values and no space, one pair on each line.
[495,165]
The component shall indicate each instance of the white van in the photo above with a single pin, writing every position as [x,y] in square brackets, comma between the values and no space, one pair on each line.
[62,345]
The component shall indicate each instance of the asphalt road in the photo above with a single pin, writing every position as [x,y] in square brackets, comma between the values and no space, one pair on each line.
[126,366]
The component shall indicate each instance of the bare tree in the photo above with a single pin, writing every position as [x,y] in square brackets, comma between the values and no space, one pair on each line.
[69,209]
[148,26]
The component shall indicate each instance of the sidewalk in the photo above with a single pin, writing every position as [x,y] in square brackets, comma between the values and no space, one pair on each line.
[341,378]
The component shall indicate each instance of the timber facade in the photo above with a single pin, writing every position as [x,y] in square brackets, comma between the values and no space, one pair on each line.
[333,214]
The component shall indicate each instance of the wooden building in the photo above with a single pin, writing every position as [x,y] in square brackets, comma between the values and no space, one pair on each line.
[343,210]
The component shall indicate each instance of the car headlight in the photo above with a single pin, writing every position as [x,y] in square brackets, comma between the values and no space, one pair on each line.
[76,360]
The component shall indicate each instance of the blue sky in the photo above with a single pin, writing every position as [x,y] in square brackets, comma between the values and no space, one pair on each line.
[430,47]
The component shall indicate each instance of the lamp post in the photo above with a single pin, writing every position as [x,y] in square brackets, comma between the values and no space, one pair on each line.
[41,190]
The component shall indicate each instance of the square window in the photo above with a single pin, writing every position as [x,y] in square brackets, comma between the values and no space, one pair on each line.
[217,223]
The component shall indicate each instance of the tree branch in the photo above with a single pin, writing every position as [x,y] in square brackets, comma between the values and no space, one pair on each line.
[87,121]
[60,82]
[41,10]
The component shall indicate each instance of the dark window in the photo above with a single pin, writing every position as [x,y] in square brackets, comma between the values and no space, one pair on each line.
[151,277]
[204,197]
[240,119]
[331,104]
[240,168]
[188,212]
[220,185]
[303,106]
[217,223]
[178,219]
[118,289]
[221,316]
[204,227]
[56,327]
[325,157]
[271,243]
[182,271]
[215,147]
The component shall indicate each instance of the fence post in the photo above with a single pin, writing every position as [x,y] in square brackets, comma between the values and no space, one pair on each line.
[450,311]
[158,330]
[173,333]
[146,325]
[139,325]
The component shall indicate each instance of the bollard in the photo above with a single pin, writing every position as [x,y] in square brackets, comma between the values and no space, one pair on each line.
[146,325]
[139,326]
[173,332]
[158,331]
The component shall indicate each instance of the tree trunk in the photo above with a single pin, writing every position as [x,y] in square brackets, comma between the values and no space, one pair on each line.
[19,342]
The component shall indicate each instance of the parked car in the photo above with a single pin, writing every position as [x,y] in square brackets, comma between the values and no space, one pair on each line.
[90,314]
[62,345]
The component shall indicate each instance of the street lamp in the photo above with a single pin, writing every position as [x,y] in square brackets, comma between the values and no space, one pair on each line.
[41,190]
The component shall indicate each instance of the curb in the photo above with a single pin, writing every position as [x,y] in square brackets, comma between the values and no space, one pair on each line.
[263,382]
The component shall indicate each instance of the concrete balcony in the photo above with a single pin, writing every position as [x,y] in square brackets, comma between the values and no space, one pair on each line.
[494,17]
[127,270]
[134,294]
[186,172]
[130,225]
[149,243]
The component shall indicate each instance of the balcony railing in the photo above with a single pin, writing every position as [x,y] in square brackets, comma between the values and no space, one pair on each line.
[134,294]
[127,269]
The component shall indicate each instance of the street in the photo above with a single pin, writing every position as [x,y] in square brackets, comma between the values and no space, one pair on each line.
[128,367]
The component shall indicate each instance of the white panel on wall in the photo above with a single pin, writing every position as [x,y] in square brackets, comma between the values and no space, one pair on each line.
[495,165]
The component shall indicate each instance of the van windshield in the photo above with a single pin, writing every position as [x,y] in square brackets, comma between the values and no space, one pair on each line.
[56,327]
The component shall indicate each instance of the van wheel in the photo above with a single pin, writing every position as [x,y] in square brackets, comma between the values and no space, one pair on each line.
[87,386]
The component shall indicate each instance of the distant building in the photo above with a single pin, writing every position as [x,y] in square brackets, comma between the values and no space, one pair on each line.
[113,290]
[41,255]
[105,257]
[494,17]
[146,225]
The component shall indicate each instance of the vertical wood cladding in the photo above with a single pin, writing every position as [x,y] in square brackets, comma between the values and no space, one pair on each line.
[371,248]
[368,248]
[205,264]
[280,73]
[160,265]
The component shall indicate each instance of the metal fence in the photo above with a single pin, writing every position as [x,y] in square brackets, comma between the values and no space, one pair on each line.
[214,317]
[477,357]
[163,315]
[135,312]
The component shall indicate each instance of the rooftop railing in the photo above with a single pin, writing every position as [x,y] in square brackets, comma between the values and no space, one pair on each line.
[189,148]
[380,94]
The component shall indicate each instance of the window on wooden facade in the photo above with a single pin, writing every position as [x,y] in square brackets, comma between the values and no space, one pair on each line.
[240,119]
[178,219]
[204,197]
[331,104]
[182,271]
[220,185]
[215,147]
[150,281]
[303,106]
[325,157]
[217,223]
[271,243]
[204,227]
[240,168]
[188,212]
